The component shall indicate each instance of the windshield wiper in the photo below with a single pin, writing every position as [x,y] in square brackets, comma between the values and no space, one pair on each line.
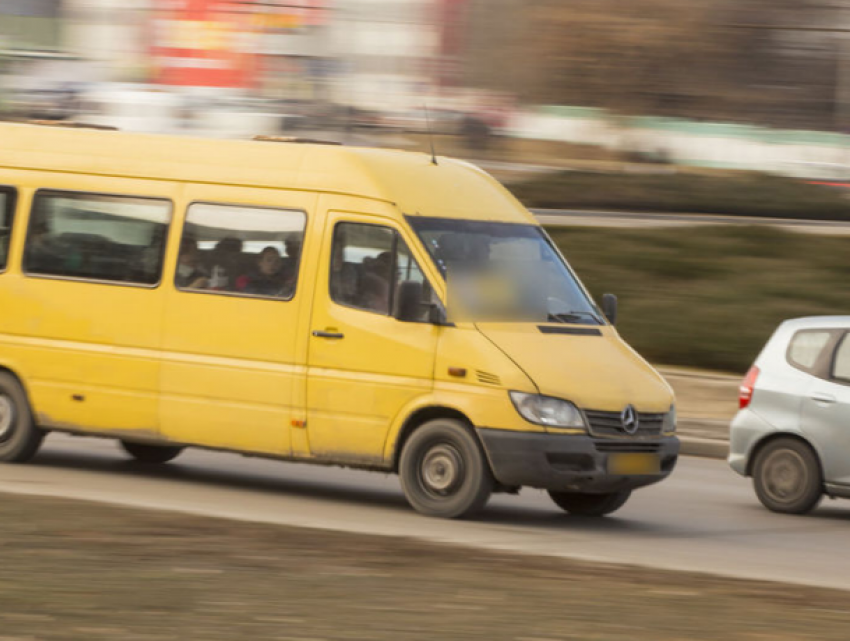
[572,317]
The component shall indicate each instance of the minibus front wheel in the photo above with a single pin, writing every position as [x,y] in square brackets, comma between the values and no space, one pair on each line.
[20,438]
[444,471]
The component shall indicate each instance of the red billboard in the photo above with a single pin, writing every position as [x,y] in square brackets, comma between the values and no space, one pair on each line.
[204,43]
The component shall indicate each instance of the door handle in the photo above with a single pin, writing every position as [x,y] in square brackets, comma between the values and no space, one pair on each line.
[821,397]
[334,335]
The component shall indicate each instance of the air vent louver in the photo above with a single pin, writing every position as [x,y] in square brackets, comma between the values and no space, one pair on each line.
[487,378]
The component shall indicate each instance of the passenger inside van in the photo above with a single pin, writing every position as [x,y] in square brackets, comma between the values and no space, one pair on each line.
[373,293]
[42,253]
[343,282]
[190,274]
[267,278]
[376,276]
[226,264]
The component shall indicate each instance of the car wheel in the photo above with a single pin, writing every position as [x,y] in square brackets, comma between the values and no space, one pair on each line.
[154,454]
[590,504]
[20,438]
[443,470]
[787,477]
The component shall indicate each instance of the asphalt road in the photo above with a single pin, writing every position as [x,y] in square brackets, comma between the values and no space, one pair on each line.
[704,518]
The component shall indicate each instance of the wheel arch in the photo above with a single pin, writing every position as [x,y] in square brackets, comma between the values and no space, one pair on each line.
[422,416]
[5,369]
[776,436]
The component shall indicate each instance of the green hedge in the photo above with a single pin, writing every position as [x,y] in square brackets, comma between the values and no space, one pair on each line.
[738,193]
[709,297]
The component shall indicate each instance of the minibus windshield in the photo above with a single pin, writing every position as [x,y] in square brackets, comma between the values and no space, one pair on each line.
[503,272]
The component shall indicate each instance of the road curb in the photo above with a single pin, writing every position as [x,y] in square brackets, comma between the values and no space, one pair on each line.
[704,447]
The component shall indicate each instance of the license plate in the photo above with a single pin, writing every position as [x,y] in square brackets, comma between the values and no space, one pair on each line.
[634,464]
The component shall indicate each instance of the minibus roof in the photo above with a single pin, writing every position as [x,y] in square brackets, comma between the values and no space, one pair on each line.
[410,180]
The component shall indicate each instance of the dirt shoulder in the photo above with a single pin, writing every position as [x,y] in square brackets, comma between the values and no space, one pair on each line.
[75,570]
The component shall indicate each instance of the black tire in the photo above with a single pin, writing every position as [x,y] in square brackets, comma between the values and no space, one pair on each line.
[154,454]
[590,504]
[20,438]
[443,470]
[787,477]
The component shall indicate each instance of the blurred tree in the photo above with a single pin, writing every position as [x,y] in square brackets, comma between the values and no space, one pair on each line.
[739,60]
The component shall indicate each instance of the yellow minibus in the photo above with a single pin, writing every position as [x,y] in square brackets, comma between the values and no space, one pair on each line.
[375,309]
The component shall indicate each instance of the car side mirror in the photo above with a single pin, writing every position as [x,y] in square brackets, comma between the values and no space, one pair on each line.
[409,302]
[609,307]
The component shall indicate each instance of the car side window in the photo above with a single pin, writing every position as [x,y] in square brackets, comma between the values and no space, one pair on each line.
[368,265]
[807,347]
[100,237]
[841,364]
[241,250]
[7,214]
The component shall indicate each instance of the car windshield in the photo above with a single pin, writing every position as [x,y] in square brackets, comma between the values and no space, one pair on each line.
[503,272]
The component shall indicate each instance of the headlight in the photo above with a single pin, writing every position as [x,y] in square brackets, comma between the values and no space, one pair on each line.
[545,410]
[669,424]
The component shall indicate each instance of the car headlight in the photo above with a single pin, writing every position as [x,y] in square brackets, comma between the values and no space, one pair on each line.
[545,410]
[669,424]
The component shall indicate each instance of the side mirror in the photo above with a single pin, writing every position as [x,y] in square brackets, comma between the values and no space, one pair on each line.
[408,307]
[609,307]
[437,315]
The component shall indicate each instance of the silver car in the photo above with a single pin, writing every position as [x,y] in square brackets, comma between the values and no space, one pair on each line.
[792,433]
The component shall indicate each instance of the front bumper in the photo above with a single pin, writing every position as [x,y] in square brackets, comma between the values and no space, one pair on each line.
[571,463]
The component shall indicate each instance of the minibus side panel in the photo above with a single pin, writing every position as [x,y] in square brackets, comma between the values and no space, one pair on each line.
[86,351]
[231,375]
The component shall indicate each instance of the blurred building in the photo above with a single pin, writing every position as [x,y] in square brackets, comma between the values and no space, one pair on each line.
[30,25]
[32,54]
[384,49]
[110,36]
[295,59]
[388,56]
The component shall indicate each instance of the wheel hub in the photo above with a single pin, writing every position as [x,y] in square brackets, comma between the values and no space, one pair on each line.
[7,417]
[786,475]
[442,469]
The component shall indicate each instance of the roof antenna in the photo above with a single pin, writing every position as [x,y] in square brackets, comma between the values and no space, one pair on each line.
[430,135]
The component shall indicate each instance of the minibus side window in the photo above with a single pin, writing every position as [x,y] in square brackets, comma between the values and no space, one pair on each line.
[7,215]
[368,264]
[241,250]
[106,238]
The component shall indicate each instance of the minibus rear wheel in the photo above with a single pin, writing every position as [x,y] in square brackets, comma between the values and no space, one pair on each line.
[20,438]
[590,504]
[154,454]
[443,470]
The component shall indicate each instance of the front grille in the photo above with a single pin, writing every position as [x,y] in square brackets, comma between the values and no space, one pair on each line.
[608,424]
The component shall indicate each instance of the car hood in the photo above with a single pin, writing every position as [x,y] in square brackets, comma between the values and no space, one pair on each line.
[589,366]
